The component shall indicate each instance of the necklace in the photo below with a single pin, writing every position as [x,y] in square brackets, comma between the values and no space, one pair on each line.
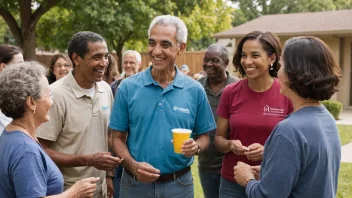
[25,131]
[305,102]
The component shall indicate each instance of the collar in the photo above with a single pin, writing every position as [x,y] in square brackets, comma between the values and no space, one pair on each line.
[229,79]
[179,80]
[77,90]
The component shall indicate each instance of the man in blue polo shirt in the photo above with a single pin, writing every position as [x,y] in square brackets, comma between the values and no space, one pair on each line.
[148,106]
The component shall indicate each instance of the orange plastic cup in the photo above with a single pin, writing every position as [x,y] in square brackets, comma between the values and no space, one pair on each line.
[179,136]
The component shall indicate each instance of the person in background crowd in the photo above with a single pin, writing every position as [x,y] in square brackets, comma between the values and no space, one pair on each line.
[60,66]
[197,76]
[76,138]
[215,62]
[250,109]
[111,74]
[131,63]
[302,155]
[147,107]
[9,54]
[26,170]
[184,69]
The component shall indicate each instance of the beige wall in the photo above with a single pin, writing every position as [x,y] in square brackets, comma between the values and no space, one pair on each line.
[345,89]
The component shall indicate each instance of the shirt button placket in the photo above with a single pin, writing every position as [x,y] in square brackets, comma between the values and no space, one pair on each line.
[161,104]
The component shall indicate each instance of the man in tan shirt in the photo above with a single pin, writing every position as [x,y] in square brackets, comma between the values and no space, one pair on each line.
[76,137]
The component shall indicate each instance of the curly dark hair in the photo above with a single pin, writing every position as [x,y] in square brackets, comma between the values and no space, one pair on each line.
[51,77]
[79,43]
[310,67]
[7,52]
[270,43]
[16,84]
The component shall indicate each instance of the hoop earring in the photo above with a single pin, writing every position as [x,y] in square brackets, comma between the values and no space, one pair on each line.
[271,67]
[34,111]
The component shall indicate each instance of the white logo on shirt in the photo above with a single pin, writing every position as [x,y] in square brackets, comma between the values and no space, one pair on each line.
[266,108]
[183,110]
[273,111]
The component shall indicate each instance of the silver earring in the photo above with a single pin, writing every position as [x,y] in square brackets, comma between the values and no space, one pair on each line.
[271,67]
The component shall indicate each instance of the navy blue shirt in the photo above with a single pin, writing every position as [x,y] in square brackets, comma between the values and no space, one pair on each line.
[301,157]
[149,113]
[25,169]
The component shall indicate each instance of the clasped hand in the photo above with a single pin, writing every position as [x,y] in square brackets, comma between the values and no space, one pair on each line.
[254,152]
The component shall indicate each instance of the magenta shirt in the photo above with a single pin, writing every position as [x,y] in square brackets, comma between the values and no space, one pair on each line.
[252,117]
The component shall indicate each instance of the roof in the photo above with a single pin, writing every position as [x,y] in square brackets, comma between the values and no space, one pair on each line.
[312,23]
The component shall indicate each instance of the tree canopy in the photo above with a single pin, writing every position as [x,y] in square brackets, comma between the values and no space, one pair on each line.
[22,17]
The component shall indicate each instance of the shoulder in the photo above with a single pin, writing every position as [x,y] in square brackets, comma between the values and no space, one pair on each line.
[234,87]
[134,80]
[202,80]
[20,143]
[60,88]
[192,84]
[104,85]
[232,79]
[59,84]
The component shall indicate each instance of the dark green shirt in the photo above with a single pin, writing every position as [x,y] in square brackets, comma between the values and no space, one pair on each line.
[210,160]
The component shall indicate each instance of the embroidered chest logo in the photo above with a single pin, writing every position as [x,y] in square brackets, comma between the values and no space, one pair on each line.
[104,108]
[271,111]
[182,110]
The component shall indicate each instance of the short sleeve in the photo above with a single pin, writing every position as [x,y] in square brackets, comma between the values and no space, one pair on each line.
[29,176]
[52,129]
[204,120]
[224,104]
[119,119]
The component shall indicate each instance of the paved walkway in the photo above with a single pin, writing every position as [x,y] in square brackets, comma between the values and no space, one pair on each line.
[346,150]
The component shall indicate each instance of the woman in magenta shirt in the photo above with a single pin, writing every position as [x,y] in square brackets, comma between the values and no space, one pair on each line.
[250,108]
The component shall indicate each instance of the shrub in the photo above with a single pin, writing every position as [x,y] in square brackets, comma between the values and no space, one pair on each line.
[334,107]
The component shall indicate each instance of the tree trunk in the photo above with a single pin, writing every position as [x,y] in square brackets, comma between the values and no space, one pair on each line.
[29,43]
[118,50]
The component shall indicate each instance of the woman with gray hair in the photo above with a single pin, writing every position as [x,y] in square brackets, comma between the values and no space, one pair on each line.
[25,169]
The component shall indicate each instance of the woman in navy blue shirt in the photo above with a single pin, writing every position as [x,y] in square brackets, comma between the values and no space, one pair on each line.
[25,169]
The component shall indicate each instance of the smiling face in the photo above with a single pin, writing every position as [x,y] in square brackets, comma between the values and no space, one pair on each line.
[61,68]
[163,48]
[213,64]
[17,58]
[91,67]
[130,64]
[255,60]
[43,103]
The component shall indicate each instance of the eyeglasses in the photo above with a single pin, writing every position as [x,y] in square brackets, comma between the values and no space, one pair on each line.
[131,63]
[67,66]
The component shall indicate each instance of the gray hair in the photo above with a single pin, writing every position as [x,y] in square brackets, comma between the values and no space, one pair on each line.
[17,82]
[181,29]
[135,53]
[224,54]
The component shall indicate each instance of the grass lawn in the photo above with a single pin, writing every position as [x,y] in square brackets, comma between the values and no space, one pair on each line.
[345,175]
[345,133]
[344,189]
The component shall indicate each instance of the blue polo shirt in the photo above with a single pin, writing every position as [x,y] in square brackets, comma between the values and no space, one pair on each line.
[149,113]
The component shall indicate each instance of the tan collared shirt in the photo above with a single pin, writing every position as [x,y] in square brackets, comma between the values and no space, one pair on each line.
[78,125]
